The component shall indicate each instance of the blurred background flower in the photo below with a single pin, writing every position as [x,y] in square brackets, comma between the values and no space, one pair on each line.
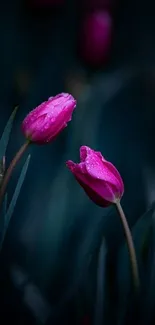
[96,38]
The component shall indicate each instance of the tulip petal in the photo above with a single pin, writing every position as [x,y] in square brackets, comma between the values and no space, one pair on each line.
[47,120]
[96,188]
[30,124]
[115,172]
[101,169]
[98,177]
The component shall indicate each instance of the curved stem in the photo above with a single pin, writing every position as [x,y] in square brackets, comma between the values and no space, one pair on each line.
[9,171]
[131,249]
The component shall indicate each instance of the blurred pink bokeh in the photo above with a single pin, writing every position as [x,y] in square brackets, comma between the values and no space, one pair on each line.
[96,37]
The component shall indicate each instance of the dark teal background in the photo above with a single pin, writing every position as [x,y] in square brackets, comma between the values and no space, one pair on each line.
[55,225]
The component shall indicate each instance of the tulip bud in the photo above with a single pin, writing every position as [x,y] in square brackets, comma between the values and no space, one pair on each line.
[47,120]
[96,37]
[98,177]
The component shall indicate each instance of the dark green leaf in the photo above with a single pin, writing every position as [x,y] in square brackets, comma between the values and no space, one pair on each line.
[3,214]
[2,169]
[5,202]
[100,285]
[14,198]
[150,278]
[139,233]
[6,134]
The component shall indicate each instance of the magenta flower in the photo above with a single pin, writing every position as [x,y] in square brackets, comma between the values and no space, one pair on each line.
[47,120]
[98,177]
[96,37]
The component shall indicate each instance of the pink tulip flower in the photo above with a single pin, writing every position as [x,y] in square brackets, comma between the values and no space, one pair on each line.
[47,120]
[98,177]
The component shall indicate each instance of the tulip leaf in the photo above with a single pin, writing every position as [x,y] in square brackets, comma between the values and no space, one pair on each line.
[140,235]
[100,285]
[150,292]
[6,134]
[2,169]
[12,204]
[5,202]
[3,213]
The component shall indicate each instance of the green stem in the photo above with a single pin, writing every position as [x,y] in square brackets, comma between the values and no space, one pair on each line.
[9,171]
[131,249]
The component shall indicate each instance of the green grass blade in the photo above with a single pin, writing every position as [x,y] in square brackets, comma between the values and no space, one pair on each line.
[6,134]
[11,207]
